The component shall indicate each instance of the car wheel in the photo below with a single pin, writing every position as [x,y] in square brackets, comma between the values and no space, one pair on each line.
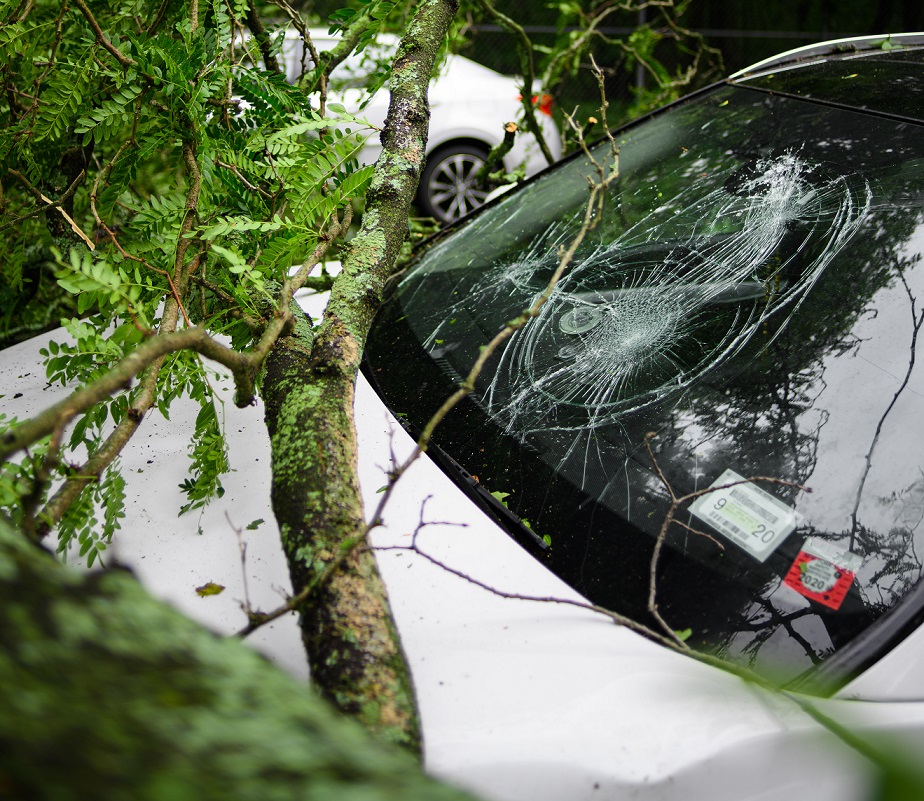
[447,186]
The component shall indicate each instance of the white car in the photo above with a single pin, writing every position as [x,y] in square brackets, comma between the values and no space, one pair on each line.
[469,105]
[755,299]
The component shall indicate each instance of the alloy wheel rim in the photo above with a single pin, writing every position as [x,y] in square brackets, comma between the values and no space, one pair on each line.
[452,187]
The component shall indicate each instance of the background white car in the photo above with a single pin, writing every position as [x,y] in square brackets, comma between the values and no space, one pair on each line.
[469,105]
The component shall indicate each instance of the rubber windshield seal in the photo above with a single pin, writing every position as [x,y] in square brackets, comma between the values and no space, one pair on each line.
[867,648]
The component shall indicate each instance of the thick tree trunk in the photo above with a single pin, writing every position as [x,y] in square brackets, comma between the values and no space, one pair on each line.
[108,694]
[355,655]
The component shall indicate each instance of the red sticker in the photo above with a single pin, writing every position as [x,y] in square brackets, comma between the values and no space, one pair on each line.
[819,579]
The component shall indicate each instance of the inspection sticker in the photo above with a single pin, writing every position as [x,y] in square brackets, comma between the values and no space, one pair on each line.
[823,572]
[747,515]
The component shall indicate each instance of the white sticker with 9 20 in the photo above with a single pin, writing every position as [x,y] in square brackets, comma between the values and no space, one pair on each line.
[746,514]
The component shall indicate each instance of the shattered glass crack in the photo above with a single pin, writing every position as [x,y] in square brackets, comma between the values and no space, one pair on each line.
[622,328]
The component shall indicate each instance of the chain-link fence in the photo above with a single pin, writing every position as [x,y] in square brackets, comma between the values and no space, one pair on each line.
[625,78]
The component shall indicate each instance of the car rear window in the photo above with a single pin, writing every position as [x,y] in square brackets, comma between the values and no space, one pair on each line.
[751,297]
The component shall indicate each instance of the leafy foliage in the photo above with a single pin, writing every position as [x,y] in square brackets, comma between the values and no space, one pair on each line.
[94,518]
[146,157]
[209,460]
[98,284]
[648,53]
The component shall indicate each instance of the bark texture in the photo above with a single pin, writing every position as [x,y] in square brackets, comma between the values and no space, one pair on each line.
[108,694]
[355,655]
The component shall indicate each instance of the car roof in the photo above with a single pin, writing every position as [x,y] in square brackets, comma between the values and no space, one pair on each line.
[877,74]
[460,68]
[832,48]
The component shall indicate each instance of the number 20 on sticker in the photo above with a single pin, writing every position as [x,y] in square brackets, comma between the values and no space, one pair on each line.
[761,531]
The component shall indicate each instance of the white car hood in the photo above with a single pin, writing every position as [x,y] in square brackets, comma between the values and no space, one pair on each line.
[519,699]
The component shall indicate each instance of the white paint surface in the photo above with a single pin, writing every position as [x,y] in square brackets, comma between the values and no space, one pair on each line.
[519,700]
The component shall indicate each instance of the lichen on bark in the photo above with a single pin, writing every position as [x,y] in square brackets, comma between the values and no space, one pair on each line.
[106,693]
[353,648]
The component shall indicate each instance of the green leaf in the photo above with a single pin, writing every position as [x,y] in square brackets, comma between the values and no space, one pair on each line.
[110,114]
[209,458]
[62,99]
[356,183]
[210,588]
[229,225]
[236,262]
[91,277]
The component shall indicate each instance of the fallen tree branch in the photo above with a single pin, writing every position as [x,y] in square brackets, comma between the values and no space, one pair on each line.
[308,387]
[107,693]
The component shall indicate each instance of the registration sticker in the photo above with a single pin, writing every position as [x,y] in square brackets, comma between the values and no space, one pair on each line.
[746,514]
[823,572]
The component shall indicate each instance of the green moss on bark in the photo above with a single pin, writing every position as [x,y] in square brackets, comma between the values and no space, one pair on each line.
[355,655]
[106,693]
[356,658]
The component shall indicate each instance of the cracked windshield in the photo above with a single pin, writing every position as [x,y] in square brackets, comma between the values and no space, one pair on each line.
[748,304]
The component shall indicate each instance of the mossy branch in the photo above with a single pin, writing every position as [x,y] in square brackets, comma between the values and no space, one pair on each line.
[498,152]
[527,69]
[354,651]
[107,693]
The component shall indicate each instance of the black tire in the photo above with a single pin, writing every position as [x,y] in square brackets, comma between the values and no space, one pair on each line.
[447,189]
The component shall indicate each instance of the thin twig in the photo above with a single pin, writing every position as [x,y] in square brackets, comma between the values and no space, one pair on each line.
[676,502]
[124,60]
[258,619]
[52,204]
[414,547]
[237,173]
